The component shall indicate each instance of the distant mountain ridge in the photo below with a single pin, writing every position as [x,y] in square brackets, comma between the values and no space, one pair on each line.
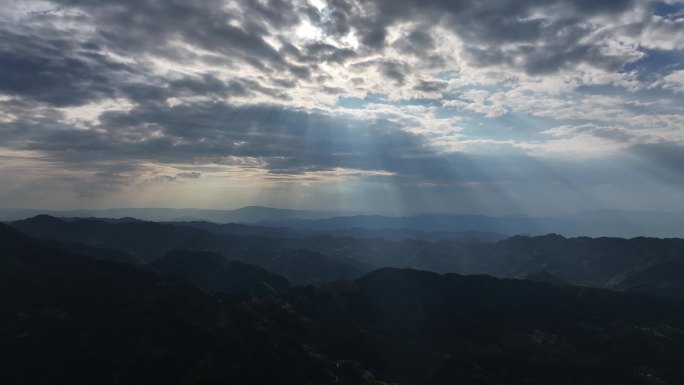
[247,214]
[148,241]
[581,224]
[638,264]
[356,232]
[614,223]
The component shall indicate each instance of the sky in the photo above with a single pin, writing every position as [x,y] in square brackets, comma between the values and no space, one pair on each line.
[389,106]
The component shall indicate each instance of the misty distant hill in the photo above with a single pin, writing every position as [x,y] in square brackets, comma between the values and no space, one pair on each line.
[356,232]
[594,224]
[247,214]
[613,223]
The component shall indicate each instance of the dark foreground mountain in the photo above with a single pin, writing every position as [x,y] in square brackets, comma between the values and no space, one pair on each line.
[217,273]
[425,328]
[67,319]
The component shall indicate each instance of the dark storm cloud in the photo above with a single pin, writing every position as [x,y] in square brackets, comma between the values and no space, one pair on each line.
[61,67]
[393,71]
[323,52]
[417,42]
[547,35]
[32,123]
[430,86]
[286,141]
[56,70]
[46,59]
[281,141]
[289,141]
[159,89]
[64,67]
[148,26]
[420,40]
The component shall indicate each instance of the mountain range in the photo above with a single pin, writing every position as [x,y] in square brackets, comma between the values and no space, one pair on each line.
[642,264]
[247,214]
[196,317]
[615,223]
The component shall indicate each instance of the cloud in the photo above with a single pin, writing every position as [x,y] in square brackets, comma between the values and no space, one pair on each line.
[287,141]
[151,26]
[673,81]
[538,37]
[430,92]
[60,72]
[430,86]
[189,175]
[614,133]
